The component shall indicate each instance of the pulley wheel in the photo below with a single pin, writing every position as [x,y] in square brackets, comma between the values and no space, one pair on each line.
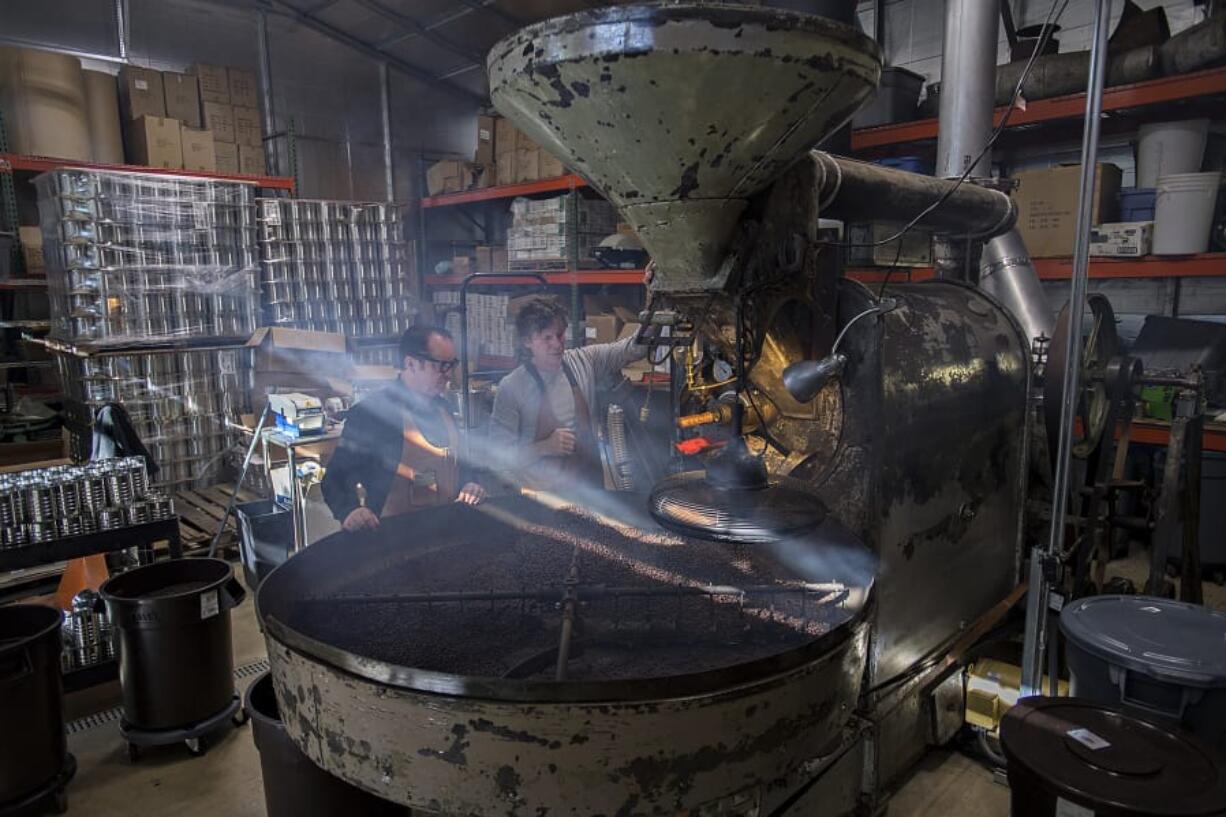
[1100,345]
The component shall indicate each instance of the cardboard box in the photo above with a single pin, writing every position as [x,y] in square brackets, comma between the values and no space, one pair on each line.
[140,93]
[1047,206]
[438,174]
[601,328]
[225,154]
[214,83]
[504,168]
[219,118]
[244,88]
[198,152]
[448,176]
[182,93]
[156,142]
[550,166]
[251,161]
[506,136]
[32,249]
[491,259]
[463,265]
[485,153]
[527,164]
[247,128]
[1127,239]
[291,359]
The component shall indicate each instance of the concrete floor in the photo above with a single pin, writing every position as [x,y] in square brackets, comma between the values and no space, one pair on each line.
[226,781]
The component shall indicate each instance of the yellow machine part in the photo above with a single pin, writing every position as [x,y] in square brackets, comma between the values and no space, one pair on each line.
[992,687]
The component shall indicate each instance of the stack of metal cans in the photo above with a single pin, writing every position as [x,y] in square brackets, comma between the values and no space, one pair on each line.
[147,258]
[87,634]
[336,266]
[178,401]
[47,504]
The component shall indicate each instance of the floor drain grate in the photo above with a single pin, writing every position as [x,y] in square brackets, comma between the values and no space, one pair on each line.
[99,719]
[252,669]
[94,721]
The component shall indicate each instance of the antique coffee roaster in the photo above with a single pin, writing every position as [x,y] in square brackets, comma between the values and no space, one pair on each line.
[777,647]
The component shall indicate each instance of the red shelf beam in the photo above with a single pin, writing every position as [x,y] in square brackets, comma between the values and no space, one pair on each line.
[1205,265]
[40,164]
[559,278]
[1157,432]
[505,191]
[1150,92]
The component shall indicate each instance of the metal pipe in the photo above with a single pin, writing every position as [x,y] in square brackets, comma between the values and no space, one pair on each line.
[968,83]
[852,190]
[1008,275]
[385,102]
[265,56]
[1037,630]
[121,28]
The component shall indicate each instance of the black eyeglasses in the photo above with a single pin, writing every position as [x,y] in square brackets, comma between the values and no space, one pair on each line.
[444,366]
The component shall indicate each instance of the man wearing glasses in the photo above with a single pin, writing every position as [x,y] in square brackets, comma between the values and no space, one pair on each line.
[397,453]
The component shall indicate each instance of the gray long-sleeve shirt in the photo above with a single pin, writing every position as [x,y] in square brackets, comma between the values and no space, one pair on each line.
[518,402]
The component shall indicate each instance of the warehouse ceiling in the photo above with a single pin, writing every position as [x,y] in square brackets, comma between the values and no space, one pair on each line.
[438,42]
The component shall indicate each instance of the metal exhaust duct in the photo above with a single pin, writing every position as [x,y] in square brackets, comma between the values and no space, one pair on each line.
[968,94]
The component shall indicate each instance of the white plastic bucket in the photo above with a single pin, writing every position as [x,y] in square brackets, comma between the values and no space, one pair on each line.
[1183,212]
[1167,148]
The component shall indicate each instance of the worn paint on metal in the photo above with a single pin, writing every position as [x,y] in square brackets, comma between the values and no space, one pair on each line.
[680,112]
[455,755]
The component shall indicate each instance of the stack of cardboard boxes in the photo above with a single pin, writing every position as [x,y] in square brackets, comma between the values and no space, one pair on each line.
[543,231]
[205,120]
[491,320]
[503,156]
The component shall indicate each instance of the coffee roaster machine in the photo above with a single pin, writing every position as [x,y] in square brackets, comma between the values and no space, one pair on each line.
[841,418]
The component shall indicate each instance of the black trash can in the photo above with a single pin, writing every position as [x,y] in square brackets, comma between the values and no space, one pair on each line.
[266,538]
[175,659]
[293,785]
[1073,756]
[33,748]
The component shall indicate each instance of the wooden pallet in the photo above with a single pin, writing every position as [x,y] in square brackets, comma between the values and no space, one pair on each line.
[201,511]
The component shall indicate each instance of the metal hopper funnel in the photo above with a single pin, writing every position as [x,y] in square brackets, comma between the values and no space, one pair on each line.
[678,113]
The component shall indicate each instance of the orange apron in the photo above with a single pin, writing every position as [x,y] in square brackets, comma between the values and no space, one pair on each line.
[584,462]
[427,475]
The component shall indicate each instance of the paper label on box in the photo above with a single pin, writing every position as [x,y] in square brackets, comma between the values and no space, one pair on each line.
[1066,809]
[589,332]
[141,85]
[1088,739]
[483,134]
[209,605]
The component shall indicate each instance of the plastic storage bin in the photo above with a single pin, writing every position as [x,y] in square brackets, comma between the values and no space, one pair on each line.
[896,99]
[912,164]
[1161,658]
[266,537]
[1137,203]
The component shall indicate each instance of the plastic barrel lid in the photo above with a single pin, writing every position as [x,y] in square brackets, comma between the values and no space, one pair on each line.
[1171,640]
[1111,762]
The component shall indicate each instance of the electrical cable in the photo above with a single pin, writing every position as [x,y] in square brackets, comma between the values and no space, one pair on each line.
[1054,14]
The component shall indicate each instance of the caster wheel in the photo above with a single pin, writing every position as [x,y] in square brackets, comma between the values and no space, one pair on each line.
[60,803]
[133,752]
[196,746]
[240,718]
